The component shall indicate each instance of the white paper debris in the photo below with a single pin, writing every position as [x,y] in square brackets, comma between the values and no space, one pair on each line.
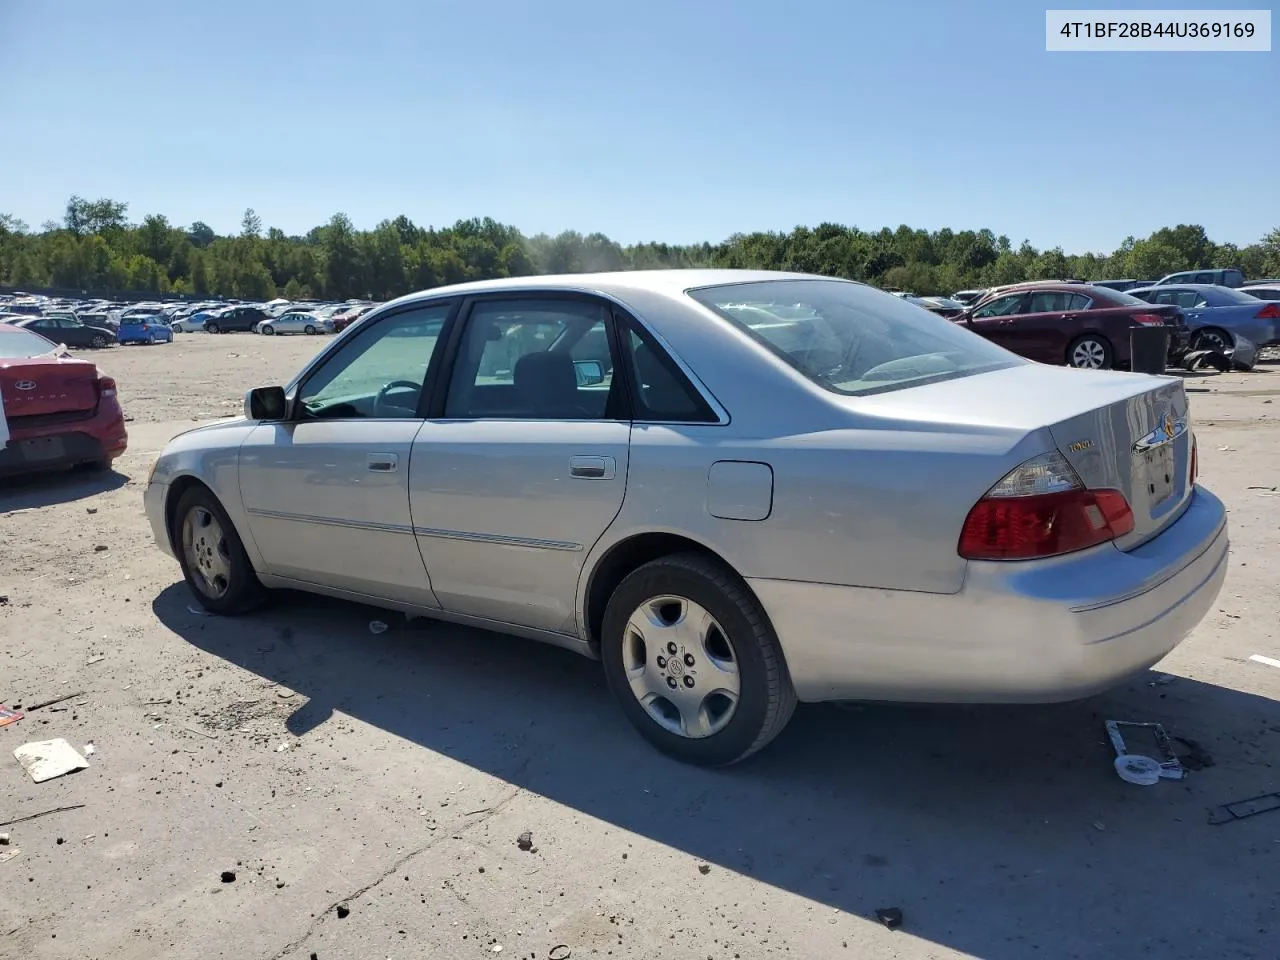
[1269,661]
[45,759]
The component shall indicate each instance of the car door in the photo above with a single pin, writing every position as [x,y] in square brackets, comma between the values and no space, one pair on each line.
[523,465]
[995,319]
[1051,321]
[327,490]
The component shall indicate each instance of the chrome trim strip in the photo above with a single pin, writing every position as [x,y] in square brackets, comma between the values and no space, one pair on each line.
[497,539]
[402,528]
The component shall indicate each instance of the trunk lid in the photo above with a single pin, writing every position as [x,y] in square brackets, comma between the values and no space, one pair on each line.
[1126,431]
[43,385]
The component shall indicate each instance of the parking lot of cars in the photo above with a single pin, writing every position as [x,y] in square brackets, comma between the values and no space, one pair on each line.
[423,748]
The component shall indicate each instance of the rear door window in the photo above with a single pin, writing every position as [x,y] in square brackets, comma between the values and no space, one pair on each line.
[1001,307]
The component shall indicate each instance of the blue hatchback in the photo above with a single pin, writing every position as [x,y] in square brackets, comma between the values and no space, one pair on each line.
[144,329]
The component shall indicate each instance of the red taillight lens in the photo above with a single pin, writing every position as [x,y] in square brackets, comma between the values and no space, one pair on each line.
[1148,319]
[1270,312]
[1195,459]
[106,387]
[1041,509]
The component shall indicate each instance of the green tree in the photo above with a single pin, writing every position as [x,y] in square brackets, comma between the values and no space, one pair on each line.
[201,234]
[292,289]
[250,224]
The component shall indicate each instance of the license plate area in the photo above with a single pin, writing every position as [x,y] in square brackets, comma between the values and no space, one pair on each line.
[43,448]
[1158,472]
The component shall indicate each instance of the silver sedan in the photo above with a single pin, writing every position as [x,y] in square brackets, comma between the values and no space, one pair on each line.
[737,489]
[307,323]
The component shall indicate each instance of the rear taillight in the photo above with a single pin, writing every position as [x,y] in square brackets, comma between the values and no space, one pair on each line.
[1148,319]
[1041,509]
[1195,460]
[106,387]
[1270,312]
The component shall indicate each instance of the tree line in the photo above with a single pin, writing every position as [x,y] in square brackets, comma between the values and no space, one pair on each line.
[96,249]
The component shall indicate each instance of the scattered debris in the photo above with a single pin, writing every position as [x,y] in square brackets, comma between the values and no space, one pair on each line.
[1137,769]
[1162,680]
[1227,449]
[4,600]
[284,694]
[496,948]
[8,716]
[472,813]
[4,839]
[1099,826]
[50,703]
[192,608]
[1261,488]
[46,759]
[42,813]
[91,510]
[90,749]
[92,660]
[1266,661]
[525,841]
[100,548]
[228,876]
[10,854]
[704,868]
[1169,765]
[377,626]
[1244,808]
[343,911]
[203,733]
[891,917]
[282,748]
[560,951]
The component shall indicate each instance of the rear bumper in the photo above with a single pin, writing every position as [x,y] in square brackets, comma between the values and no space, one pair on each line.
[1034,632]
[101,437]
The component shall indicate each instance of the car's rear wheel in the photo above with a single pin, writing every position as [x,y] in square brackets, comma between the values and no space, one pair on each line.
[151,339]
[1211,338]
[694,662]
[309,330]
[212,556]
[98,341]
[1090,352]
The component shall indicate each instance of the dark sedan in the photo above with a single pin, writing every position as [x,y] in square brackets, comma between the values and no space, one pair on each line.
[236,319]
[1070,323]
[70,332]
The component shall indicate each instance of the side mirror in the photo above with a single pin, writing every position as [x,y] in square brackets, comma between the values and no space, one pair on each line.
[590,372]
[266,403]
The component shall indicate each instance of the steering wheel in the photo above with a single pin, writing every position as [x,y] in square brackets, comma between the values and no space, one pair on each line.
[380,401]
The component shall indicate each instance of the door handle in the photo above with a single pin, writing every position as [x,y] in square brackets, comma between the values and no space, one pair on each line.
[591,468]
[383,462]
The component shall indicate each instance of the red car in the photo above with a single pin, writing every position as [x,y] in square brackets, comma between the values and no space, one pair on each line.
[1072,324]
[60,412]
[349,316]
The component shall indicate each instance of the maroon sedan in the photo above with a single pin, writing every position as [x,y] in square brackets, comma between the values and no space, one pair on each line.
[1076,324]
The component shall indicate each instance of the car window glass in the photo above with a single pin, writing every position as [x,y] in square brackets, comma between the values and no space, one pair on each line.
[1197,301]
[516,361]
[381,372]
[1078,301]
[1049,301]
[663,393]
[1000,307]
[1204,278]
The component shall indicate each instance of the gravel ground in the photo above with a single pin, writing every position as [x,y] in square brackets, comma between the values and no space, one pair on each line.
[368,791]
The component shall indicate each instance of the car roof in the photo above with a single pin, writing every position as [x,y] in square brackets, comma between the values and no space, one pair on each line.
[1198,287]
[667,282]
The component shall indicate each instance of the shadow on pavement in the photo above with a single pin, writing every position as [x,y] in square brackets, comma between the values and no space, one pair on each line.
[27,491]
[998,831]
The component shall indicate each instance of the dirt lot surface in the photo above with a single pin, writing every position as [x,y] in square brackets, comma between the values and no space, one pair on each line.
[367,791]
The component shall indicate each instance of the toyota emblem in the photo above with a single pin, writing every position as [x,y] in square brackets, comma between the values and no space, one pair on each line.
[25,385]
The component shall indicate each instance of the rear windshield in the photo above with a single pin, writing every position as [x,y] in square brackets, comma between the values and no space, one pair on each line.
[23,343]
[1115,298]
[850,338]
[1232,295]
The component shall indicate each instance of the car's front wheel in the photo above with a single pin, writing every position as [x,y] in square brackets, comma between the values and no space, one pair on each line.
[694,662]
[1090,352]
[269,330]
[212,556]
[309,330]
[1211,338]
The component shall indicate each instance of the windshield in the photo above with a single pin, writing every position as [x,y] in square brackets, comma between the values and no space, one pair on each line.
[23,343]
[850,338]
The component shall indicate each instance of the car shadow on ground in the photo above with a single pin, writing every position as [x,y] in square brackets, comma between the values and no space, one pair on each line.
[997,831]
[28,491]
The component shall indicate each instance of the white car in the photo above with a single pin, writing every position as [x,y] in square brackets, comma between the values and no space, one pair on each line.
[306,323]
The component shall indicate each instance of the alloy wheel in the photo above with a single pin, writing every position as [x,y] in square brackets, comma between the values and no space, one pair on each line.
[205,548]
[1088,355]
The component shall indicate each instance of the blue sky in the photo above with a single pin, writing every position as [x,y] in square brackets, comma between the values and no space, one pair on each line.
[675,120]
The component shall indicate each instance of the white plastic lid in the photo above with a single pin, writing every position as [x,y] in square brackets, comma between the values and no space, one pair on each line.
[1134,768]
